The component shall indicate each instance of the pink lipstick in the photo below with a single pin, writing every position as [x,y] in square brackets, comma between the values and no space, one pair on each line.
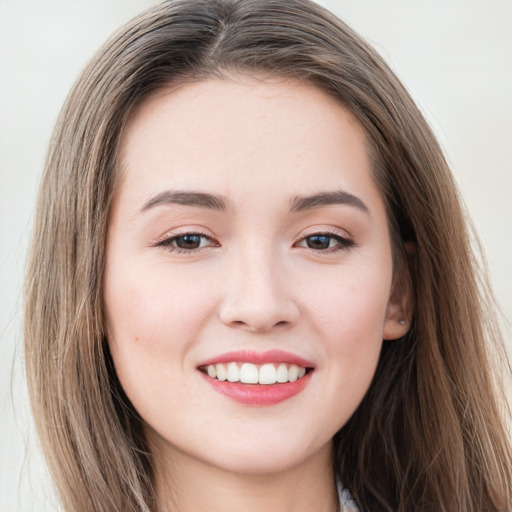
[249,356]
[257,378]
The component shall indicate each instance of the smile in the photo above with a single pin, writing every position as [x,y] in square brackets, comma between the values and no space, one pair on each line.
[257,378]
[249,373]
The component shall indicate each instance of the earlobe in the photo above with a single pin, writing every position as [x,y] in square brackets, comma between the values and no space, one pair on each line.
[400,305]
[394,329]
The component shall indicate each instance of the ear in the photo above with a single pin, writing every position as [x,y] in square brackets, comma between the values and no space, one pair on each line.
[401,304]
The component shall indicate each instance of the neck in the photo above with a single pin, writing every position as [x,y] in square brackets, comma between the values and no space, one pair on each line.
[187,484]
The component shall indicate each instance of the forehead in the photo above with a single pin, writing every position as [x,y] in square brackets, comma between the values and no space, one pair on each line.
[243,133]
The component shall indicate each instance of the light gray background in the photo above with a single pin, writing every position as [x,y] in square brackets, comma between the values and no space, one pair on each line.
[455,56]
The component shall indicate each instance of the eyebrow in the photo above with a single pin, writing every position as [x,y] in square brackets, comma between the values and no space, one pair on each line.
[337,197]
[197,199]
[219,203]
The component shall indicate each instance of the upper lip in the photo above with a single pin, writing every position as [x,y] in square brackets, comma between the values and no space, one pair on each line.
[251,356]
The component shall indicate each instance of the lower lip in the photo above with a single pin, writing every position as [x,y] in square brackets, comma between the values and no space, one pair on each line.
[258,394]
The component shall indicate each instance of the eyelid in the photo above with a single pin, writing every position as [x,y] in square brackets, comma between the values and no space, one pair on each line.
[325,230]
[165,241]
[345,240]
[185,229]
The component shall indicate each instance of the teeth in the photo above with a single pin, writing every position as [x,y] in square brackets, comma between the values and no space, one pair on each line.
[233,372]
[220,369]
[293,373]
[268,374]
[249,373]
[282,373]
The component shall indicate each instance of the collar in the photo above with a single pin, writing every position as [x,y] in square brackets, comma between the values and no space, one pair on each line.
[347,504]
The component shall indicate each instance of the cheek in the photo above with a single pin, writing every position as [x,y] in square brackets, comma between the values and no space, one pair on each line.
[150,304]
[350,306]
[153,316]
[348,315]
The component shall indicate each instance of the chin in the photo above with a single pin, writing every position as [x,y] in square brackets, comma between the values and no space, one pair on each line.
[266,457]
[263,463]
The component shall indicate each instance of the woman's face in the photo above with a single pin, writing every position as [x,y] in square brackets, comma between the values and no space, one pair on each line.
[247,241]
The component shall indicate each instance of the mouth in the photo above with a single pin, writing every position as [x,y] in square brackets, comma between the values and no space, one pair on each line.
[257,378]
[250,373]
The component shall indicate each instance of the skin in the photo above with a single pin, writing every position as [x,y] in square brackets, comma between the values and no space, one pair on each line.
[254,283]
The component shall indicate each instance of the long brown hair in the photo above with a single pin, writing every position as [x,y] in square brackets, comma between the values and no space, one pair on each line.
[429,434]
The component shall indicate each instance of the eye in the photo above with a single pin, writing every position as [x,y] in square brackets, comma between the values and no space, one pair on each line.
[325,242]
[186,242]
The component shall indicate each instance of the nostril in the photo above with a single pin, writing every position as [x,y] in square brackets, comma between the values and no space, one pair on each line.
[258,316]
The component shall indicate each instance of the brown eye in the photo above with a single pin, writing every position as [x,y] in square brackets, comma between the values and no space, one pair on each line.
[325,242]
[319,241]
[188,242]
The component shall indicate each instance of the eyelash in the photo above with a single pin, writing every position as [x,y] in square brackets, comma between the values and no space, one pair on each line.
[166,243]
[343,243]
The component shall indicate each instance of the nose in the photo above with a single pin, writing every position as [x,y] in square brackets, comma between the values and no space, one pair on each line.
[258,297]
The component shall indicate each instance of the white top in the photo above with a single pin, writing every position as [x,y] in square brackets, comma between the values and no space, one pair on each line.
[347,504]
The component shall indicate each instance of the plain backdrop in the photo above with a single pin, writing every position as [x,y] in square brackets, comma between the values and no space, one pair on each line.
[455,56]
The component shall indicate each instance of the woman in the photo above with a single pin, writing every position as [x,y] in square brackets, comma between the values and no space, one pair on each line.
[251,283]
